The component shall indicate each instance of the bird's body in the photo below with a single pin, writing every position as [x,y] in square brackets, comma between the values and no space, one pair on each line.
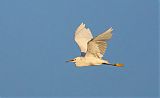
[89,61]
[92,49]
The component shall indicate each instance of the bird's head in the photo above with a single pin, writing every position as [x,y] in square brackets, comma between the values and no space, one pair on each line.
[74,60]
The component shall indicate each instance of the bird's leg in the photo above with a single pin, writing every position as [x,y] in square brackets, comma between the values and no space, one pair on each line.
[117,64]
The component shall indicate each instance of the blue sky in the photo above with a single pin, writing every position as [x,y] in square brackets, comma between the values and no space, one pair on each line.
[36,38]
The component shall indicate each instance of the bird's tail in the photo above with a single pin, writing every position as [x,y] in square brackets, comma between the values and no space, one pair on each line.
[117,64]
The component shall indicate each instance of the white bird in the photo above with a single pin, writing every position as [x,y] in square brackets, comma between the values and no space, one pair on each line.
[92,49]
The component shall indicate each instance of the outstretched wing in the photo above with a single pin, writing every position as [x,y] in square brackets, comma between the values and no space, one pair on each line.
[82,36]
[97,46]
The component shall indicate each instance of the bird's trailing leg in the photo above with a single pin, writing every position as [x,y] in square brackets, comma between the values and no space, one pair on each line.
[117,64]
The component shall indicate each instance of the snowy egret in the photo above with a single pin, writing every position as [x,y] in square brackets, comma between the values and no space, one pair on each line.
[92,49]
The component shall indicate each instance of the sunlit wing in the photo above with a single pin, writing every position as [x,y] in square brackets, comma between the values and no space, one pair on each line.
[97,46]
[82,36]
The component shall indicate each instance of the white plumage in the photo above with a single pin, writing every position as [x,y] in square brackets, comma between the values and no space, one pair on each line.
[92,49]
[82,36]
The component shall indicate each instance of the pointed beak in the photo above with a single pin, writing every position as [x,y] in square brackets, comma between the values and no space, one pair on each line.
[70,60]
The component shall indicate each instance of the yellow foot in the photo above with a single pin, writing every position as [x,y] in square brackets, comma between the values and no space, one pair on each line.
[119,65]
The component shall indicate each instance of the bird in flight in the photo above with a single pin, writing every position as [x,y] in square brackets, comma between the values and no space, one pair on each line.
[92,49]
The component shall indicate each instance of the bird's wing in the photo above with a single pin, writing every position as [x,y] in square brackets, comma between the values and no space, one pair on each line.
[97,46]
[82,36]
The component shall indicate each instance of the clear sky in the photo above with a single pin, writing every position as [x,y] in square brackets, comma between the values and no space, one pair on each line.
[36,38]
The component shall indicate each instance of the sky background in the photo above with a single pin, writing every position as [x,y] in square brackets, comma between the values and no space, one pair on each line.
[36,38]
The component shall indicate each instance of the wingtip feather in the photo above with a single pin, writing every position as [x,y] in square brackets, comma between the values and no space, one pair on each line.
[111,28]
[82,24]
